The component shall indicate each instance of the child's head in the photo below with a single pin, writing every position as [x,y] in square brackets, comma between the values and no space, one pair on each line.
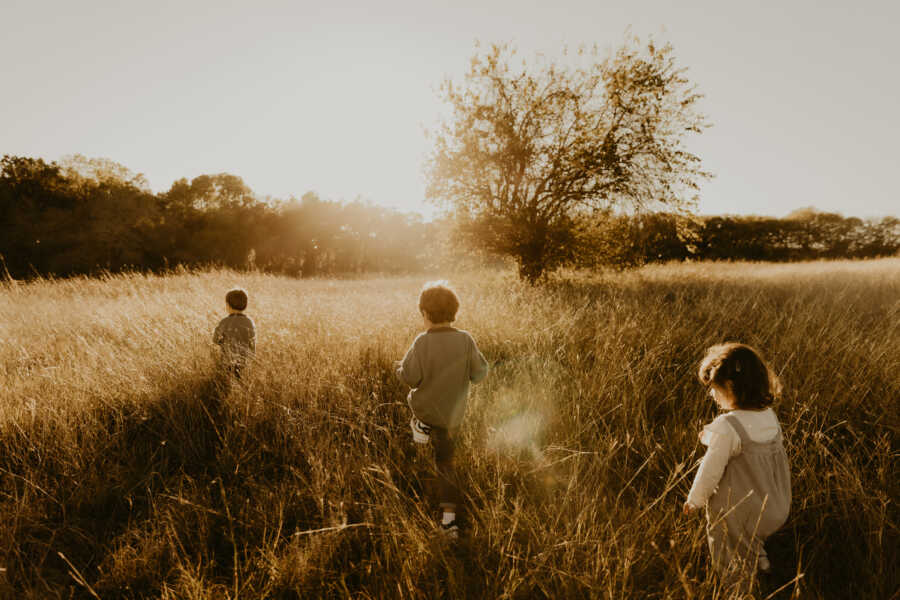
[236,299]
[738,372]
[438,303]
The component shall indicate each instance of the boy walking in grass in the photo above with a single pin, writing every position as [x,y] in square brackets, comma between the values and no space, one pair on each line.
[439,366]
[235,334]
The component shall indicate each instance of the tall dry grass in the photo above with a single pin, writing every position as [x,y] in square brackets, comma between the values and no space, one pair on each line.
[126,472]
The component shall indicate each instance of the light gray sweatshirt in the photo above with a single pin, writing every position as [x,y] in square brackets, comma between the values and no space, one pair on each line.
[439,366]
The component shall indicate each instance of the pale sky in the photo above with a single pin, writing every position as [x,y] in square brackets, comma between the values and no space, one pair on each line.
[332,96]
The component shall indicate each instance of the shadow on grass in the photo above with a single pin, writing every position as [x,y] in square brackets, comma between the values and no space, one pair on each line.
[79,490]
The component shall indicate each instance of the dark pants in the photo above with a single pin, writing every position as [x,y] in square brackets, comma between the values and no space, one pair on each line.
[228,373]
[444,446]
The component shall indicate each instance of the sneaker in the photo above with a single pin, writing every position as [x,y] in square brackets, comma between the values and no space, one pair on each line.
[421,432]
[450,530]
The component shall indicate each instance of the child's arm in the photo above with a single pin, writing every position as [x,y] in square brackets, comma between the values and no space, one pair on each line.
[479,366]
[719,451]
[410,371]
[219,334]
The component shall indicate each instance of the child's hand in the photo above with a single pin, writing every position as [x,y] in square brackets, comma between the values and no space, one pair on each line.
[688,508]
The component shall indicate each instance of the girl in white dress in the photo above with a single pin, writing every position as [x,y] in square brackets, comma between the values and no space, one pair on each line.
[744,478]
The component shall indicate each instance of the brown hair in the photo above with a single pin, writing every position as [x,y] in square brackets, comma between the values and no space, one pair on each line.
[438,302]
[236,299]
[741,369]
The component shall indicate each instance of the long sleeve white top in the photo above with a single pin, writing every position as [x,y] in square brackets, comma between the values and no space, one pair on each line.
[722,443]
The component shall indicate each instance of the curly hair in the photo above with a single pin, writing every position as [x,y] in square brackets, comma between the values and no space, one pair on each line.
[741,369]
[438,302]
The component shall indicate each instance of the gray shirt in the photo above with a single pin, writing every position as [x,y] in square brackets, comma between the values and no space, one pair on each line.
[439,366]
[236,334]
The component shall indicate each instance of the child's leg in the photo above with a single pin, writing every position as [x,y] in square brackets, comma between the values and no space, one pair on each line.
[448,491]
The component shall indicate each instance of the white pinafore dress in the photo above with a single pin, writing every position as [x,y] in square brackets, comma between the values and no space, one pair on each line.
[751,503]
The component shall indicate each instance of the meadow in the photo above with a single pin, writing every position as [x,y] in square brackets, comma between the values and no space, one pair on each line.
[127,471]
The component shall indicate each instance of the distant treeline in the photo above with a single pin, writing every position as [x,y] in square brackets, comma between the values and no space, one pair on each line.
[87,215]
[805,234]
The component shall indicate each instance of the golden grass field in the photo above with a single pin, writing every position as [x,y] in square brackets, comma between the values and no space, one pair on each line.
[125,473]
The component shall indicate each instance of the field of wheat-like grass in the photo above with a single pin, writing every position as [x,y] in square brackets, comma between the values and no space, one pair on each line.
[126,471]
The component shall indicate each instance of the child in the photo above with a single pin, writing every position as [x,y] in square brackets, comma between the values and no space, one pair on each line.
[744,479]
[439,366]
[235,334]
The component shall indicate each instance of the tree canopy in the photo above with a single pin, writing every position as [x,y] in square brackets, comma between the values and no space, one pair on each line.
[528,149]
[86,215]
[91,215]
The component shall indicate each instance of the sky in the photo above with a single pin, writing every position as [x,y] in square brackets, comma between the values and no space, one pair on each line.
[333,97]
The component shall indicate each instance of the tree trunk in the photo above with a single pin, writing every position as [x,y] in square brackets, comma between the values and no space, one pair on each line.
[531,261]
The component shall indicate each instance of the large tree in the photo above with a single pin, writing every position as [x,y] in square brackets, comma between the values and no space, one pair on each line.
[83,215]
[528,149]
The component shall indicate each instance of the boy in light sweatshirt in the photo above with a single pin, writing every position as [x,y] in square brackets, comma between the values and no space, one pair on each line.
[439,366]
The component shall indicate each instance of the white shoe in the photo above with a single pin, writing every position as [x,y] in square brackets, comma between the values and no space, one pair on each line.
[450,530]
[421,432]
